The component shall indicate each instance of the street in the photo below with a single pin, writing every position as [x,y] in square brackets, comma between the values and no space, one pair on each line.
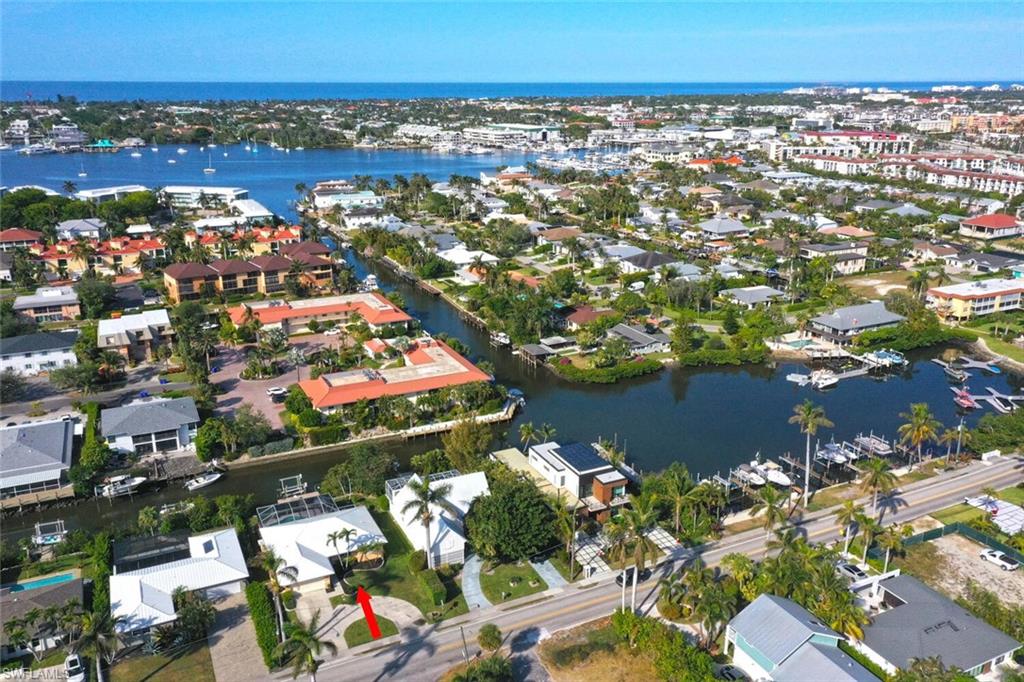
[429,651]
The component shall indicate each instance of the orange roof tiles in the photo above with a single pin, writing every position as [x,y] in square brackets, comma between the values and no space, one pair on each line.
[384,312]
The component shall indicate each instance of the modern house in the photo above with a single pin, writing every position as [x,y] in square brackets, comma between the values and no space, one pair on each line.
[641,341]
[194,196]
[151,425]
[35,457]
[991,226]
[36,353]
[910,621]
[976,298]
[49,304]
[843,324]
[211,564]
[15,605]
[447,529]
[579,470]
[135,336]
[430,364]
[294,316]
[298,530]
[776,639]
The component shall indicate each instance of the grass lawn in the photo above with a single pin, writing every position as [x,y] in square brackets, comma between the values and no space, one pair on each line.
[924,471]
[395,580]
[592,652]
[877,284]
[176,377]
[922,561]
[35,569]
[496,583]
[359,633]
[1014,495]
[997,345]
[193,665]
[560,560]
[741,526]
[965,512]
[833,495]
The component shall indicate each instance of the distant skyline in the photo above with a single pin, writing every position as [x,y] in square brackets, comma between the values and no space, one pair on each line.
[489,42]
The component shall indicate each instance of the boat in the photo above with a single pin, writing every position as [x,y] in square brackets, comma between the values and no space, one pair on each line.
[154,149]
[887,357]
[171,161]
[831,452]
[823,378]
[955,373]
[182,150]
[209,167]
[874,444]
[300,149]
[49,533]
[203,480]
[772,472]
[117,486]
[746,474]
[963,398]
[34,149]
[212,145]
[500,339]
[136,154]
[248,148]
[799,379]
[369,283]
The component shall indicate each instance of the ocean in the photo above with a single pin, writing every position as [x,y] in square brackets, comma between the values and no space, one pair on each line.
[234,91]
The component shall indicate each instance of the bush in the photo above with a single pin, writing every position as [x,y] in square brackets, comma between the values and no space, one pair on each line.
[255,451]
[276,447]
[489,637]
[327,435]
[417,561]
[670,610]
[431,582]
[607,375]
[264,620]
[725,356]
[310,417]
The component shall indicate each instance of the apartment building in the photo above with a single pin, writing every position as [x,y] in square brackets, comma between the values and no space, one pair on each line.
[17,237]
[190,281]
[109,257]
[137,336]
[838,164]
[194,196]
[974,299]
[869,142]
[49,304]
[295,316]
[35,353]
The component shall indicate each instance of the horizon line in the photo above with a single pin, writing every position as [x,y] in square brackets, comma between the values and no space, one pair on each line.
[551,82]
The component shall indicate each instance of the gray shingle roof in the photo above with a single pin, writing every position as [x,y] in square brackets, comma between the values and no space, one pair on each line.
[862,316]
[776,626]
[930,624]
[148,417]
[37,343]
[722,226]
[649,260]
[638,337]
[753,295]
[820,662]
[36,452]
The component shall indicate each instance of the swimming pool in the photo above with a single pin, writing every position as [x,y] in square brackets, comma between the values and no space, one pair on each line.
[800,343]
[41,582]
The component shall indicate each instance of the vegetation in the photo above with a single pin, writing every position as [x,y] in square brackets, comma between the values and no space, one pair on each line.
[359,632]
[302,647]
[607,375]
[505,582]
[512,523]
[264,621]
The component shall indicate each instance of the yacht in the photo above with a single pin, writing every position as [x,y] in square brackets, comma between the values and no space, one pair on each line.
[154,149]
[369,283]
[171,161]
[203,480]
[823,378]
[772,472]
[209,166]
[748,475]
[831,452]
[136,154]
[300,149]
[117,486]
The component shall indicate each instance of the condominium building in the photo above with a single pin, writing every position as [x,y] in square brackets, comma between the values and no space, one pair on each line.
[49,304]
[974,299]
[295,316]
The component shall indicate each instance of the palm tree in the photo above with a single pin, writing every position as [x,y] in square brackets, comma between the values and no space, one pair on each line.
[869,529]
[809,416]
[424,496]
[891,540]
[70,187]
[98,639]
[302,647]
[846,516]
[334,537]
[770,501]
[528,433]
[876,477]
[276,570]
[546,432]
[640,518]
[678,489]
[618,548]
[845,616]
[921,426]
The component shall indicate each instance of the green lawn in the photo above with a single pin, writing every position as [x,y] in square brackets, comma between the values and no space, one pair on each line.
[35,569]
[193,665]
[359,632]
[498,582]
[965,512]
[997,345]
[395,580]
[176,377]
[833,495]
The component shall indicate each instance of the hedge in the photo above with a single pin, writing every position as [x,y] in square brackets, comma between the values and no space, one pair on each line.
[608,375]
[274,447]
[431,582]
[725,356]
[326,435]
[417,561]
[264,620]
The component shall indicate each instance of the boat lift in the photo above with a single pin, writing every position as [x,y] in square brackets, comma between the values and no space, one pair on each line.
[290,486]
[49,533]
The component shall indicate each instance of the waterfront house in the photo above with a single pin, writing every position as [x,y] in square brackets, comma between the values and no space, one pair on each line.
[557,237]
[35,457]
[639,340]
[15,605]
[577,469]
[429,365]
[195,196]
[843,324]
[294,316]
[752,297]
[84,228]
[647,261]
[149,569]
[297,530]
[776,639]
[101,195]
[979,262]
[151,425]
[18,237]
[49,304]
[991,226]
[447,529]
[36,353]
[136,336]
[911,621]
[573,319]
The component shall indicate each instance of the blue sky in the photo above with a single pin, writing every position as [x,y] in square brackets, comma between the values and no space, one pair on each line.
[510,42]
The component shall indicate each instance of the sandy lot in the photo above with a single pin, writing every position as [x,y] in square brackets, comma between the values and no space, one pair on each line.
[960,562]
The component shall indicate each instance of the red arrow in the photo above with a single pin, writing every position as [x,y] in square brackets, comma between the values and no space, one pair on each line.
[363,599]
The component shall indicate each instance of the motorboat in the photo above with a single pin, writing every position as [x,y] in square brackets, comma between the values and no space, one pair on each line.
[746,474]
[772,472]
[136,154]
[171,161]
[154,149]
[117,486]
[300,149]
[369,283]
[500,339]
[182,150]
[963,398]
[203,480]
[823,378]
[955,373]
[831,452]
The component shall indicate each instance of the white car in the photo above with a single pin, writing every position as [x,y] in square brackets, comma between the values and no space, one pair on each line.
[1000,559]
[851,571]
[73,668]
[276,390]
[332,332]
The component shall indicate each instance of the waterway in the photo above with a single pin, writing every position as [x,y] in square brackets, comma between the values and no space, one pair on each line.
[708,418]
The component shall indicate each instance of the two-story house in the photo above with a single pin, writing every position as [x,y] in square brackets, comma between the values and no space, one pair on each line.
[578,469]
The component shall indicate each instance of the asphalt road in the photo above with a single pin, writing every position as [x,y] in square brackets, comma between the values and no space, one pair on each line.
[427,652]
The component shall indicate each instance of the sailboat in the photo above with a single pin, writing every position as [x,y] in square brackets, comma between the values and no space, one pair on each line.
[209,166]
[81,172]
[136,154]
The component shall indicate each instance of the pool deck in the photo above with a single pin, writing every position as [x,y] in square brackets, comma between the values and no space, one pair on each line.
[73,572]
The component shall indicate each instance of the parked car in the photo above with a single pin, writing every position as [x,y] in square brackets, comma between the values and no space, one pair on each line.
[851,571]
[731,672]
[73,668]
[628,576]
[332,332]
[276,390]
[1000,559]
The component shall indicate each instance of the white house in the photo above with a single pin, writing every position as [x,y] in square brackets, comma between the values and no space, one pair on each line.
[36,353]
[189,196]
[447,530]
[144,598]
[102,194]
[89,228]
[151,425]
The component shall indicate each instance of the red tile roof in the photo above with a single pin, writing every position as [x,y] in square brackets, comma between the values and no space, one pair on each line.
[992,221]
[19,234]
[385,312]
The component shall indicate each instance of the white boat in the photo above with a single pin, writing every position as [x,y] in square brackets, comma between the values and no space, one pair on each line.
[772,472]
[117,486]
[154,149]
[874,444]
[823,378]
[248,148]
[300,149]
[748,475]
[369,283]
[136,154]
[182,150]
[171,161]
[203,480]
[500,339]
[799,379]
[211,146]
[209,166]
[831,453]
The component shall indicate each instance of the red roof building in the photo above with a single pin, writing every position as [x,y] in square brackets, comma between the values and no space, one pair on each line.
[14,237]
[295,316]
[991,226]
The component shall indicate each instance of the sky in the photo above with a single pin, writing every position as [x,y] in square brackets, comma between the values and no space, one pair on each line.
[511,42]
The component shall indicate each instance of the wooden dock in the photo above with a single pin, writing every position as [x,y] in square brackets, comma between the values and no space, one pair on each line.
[41,497]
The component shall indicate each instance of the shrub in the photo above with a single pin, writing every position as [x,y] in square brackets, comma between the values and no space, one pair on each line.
[431,582]
[608,375]
[489,637]
[310,417]
[255,451]
[670,610]
[417,561]
[725,356]
[326,435]
[275,447]
[264,620]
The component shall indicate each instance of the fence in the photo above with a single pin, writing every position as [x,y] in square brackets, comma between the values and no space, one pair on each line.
[962,529]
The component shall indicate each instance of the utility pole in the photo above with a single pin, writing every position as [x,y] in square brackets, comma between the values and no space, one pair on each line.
[465,649]
[959,439]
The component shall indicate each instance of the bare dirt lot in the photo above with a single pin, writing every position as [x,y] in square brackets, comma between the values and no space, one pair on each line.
[949,562]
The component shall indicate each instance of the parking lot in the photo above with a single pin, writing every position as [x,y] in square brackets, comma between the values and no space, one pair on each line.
[235,391]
